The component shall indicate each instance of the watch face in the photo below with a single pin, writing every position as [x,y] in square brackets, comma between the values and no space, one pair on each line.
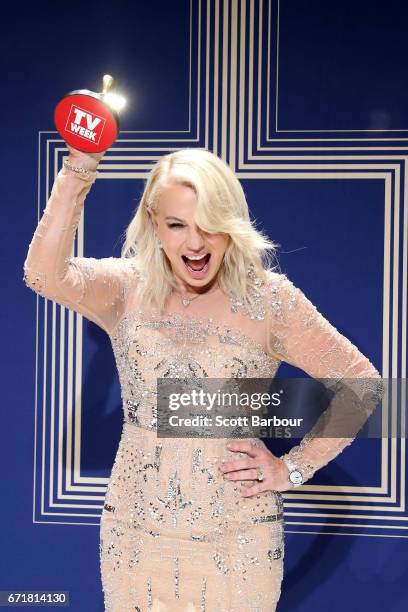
[296,477]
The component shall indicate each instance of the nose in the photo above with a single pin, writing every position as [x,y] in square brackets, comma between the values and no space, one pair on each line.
[195,240]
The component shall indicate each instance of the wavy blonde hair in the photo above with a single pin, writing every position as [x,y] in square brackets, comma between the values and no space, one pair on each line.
[221,207]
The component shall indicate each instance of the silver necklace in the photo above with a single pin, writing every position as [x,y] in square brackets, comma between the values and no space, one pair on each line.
[186,301]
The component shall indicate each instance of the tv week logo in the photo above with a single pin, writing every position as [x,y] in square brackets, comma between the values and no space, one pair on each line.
[85,124]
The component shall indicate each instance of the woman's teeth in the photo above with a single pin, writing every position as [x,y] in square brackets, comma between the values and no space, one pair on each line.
[197,265]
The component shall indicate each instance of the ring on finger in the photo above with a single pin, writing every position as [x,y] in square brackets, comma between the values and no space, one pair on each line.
[260,474]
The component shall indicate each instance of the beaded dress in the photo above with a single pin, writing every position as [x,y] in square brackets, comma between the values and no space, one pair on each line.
[174,534]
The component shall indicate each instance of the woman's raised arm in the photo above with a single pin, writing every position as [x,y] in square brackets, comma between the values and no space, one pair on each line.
[96,288]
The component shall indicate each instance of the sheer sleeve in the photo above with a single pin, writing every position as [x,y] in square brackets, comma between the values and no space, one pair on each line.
[297,333]
[95,288]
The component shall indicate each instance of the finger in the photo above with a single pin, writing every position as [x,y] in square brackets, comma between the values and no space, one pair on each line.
[258,443]
[240,464]
[253,490]
[251,474]
[243,446]
[74,151]
[77,153]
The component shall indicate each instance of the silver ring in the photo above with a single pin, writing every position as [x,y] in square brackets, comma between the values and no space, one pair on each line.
[260,473]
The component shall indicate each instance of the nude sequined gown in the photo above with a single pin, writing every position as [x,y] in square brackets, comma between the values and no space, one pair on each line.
[175,535]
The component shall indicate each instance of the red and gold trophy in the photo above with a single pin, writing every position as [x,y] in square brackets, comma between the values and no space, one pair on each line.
[89,121]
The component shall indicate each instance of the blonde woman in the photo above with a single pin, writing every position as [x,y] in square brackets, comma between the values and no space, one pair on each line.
[190,524]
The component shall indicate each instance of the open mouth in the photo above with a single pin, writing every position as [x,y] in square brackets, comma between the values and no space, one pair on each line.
[197,266]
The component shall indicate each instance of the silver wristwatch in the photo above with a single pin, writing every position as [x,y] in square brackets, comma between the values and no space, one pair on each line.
[295,475]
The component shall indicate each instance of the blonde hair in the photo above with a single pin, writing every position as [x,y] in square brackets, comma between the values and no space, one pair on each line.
[221,207]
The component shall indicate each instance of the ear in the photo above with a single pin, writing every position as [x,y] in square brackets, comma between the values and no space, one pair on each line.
[151,215]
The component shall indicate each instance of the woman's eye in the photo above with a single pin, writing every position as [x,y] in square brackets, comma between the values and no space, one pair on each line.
[175,225]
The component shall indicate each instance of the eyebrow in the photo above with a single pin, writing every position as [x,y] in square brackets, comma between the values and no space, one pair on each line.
[176,218]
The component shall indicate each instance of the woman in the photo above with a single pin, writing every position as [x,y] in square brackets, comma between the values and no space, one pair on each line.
[189,523]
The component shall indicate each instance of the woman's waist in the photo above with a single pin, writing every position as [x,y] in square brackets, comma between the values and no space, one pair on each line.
[149,437]
[193,461]
[165,480]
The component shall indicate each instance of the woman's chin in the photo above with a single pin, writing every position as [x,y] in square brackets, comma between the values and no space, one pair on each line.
[196,280]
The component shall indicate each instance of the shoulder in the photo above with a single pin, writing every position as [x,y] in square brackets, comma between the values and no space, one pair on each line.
[128,265]
[120,269]
[124,272]
[127,271]
[117,264]
[277,284]
[281,295]
[274,279]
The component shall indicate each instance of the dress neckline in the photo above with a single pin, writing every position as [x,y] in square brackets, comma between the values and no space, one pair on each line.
[211,325]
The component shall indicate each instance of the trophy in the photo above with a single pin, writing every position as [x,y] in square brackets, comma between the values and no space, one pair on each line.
[89,121]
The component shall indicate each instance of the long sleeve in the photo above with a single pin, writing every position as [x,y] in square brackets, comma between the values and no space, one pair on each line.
[297,333]
[95,288]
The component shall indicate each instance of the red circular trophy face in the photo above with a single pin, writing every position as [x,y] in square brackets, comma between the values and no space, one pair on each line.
[85,122]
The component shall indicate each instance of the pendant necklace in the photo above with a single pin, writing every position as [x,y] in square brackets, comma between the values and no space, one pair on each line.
[186,300]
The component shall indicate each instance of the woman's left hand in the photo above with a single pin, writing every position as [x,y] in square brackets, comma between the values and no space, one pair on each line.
[274,469]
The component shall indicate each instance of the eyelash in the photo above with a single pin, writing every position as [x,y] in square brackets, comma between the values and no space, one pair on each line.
[176,225]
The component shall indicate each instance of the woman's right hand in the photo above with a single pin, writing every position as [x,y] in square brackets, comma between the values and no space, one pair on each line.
[90,161]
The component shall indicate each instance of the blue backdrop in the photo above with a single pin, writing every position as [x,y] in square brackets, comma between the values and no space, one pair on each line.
[306,102]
